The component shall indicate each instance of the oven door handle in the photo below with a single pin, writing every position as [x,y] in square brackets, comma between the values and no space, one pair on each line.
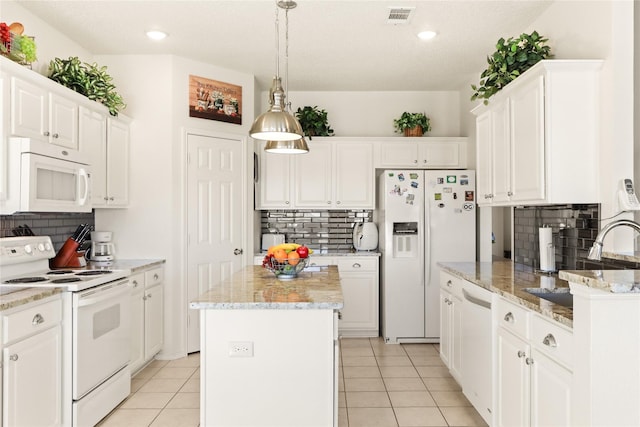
[100,295]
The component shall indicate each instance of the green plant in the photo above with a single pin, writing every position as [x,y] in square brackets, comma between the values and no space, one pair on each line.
[89,80]
[314,121]
[412,120]
[511,58]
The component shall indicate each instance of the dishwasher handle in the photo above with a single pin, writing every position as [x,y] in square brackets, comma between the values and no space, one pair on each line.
[476,301]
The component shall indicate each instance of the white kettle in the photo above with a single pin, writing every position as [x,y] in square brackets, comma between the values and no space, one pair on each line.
[365,236]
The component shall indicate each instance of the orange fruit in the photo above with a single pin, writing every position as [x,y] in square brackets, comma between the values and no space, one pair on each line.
[293,257]
[280,255]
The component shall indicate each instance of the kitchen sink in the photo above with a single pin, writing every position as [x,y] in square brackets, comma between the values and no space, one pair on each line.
[560,296]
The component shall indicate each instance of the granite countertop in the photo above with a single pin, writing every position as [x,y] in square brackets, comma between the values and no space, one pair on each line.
[25,296]
[509,279]
[623,256]
[257,288]
[616,281]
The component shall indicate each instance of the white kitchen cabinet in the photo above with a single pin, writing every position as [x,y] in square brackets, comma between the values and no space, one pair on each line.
[32,364]
[538,137]
[105,139]
[38,113]
[359,280]
[275,184]
[422,153]
[335,174]
[451,324]
[147,326]
[533,369]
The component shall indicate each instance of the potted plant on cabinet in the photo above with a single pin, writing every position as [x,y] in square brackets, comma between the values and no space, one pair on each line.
[511,58]
[314,121]
[412,124]
[89,80]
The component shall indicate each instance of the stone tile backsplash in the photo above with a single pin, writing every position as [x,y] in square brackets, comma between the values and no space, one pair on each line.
[574,229]
[59,226]
[321,230]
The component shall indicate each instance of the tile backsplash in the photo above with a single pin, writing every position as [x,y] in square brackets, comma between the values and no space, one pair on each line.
[59,226]
[321,230]
[574,229]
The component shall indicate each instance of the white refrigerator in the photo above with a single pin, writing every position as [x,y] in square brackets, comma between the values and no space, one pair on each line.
[425,217]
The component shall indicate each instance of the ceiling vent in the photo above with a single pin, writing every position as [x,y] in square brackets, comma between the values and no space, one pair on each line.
[399,15]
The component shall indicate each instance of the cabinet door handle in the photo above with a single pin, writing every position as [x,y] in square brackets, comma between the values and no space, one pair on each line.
[415,161]
[356,265]
[338,202]
[449,283]
[13,357]
[155,276]
[550,340]
[37,319]
[509,193]
[149,296]
[111,199]
[135,283]
[55,135]
[328,202]
[286,203]
[528,361]
[521,354]
[509,317]
[424,161]
[46,133]
[237,251]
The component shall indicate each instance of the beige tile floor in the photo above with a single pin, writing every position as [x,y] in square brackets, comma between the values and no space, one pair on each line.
[380,385]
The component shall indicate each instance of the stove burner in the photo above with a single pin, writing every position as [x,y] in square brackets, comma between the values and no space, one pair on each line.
[56,272]
[27,280]
[93,272]
[67,280]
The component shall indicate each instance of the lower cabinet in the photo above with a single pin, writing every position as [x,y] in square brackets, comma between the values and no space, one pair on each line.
[451,324]
[359,280]
[533,369]
[32,364]
[147,327]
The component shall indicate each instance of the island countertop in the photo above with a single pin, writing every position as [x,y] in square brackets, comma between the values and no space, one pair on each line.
[257,288]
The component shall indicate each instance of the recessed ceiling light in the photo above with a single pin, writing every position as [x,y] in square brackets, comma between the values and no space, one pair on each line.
[156,34]
[427,35]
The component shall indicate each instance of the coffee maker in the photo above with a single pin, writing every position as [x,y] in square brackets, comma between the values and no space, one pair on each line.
[102,249]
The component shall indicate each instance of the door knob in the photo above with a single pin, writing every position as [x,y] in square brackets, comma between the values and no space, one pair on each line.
[237,251]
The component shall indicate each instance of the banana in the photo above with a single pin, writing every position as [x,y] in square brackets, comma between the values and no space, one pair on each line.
[287,247]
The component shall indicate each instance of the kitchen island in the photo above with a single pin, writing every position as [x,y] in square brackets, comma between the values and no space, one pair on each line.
[269,349]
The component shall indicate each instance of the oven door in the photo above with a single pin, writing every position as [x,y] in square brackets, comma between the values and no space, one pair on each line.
[101,334]
[48,184]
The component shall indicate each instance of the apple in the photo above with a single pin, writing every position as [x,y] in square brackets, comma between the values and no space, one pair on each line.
[303,251]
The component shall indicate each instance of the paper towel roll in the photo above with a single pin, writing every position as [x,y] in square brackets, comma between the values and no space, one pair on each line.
[547,251]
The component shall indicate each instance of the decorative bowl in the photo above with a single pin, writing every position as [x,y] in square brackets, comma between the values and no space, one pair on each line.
[283,270]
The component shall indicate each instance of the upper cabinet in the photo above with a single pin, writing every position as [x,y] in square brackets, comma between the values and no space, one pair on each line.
[537,139]
[335,174]
[422,153]
[42,114]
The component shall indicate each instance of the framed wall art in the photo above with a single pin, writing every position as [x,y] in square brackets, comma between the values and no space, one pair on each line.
[215,100]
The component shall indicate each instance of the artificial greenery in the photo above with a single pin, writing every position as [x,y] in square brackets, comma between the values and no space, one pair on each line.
[412,120]
[511,58]
[89,80]
[314,121]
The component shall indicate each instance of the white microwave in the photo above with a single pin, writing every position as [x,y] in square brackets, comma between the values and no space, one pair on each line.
[45,178]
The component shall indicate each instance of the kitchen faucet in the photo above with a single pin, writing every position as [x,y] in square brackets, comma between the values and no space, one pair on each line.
[596,250]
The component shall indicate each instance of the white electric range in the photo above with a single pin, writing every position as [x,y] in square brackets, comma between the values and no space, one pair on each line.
[96,331]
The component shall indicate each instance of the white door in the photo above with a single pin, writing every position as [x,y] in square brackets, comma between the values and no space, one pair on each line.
[214,218]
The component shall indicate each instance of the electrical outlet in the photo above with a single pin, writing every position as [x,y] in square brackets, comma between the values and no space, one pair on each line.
[241,349]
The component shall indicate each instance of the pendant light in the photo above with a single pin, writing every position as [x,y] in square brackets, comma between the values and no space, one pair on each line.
[278,126]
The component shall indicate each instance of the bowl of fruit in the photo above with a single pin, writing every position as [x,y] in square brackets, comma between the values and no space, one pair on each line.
[286,260]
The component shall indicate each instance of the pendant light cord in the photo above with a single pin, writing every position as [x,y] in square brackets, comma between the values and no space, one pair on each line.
[286,59]
[277,40]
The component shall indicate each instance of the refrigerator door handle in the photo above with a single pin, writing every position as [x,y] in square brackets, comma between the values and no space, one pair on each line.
[426,271]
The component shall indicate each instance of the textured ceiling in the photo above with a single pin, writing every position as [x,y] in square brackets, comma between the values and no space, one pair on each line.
[333,45]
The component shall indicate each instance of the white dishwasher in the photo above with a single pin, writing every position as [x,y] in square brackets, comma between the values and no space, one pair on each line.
[477,348]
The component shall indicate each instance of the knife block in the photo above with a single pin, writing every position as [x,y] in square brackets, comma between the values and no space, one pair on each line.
[66,256]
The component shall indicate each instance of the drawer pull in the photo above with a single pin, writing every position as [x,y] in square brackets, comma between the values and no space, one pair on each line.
[37,319]
[135,283]
[550,340]
[356,265]
[528,361]
[449,283]
[155,276]
[13,357]
[509,317]
[521,354]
